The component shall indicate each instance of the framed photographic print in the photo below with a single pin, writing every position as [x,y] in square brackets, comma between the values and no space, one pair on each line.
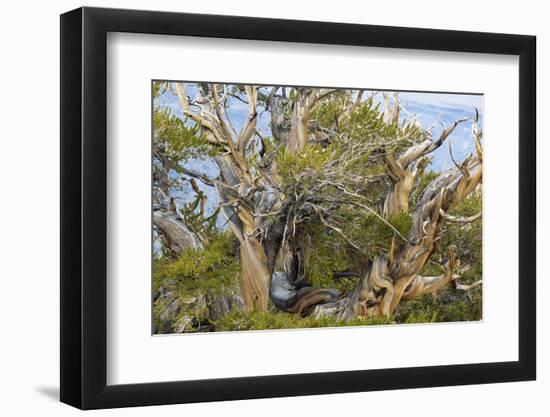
[257,208]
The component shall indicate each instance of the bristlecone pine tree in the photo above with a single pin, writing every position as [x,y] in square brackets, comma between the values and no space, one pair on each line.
[334,216]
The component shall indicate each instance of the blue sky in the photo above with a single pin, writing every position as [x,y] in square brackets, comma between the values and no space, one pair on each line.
[431,110]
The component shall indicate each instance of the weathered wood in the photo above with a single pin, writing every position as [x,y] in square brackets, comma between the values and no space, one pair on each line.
[263,216]
[178,236]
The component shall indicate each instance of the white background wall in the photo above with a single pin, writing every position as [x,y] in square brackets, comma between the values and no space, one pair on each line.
[29,219]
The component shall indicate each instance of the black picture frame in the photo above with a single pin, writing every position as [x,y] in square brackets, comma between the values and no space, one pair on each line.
[84,207]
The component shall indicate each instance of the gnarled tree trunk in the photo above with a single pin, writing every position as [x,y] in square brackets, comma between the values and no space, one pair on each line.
[263,216]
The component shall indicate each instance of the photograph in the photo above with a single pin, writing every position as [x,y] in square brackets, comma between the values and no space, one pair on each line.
[284,207]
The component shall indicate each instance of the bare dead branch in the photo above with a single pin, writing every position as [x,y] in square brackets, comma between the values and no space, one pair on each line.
[476,134]
[203,178]
[427,146]
[457,219]
[467,287]
[250,125]
[217,137]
